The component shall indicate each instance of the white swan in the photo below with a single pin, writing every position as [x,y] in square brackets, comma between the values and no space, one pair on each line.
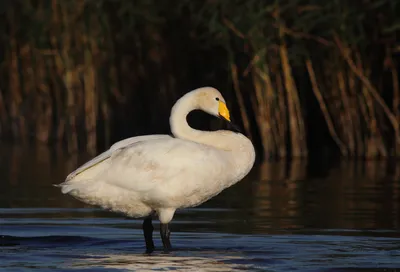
[143,175]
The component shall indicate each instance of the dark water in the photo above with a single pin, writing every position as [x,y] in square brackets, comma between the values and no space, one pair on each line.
[284,217]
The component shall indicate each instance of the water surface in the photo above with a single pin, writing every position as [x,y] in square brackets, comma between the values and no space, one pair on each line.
[299,216]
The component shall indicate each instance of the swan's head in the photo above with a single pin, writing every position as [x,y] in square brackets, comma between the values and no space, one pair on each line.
[207,99]
[210,100]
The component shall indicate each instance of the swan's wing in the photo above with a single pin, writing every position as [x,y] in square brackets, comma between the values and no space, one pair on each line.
[107,154]
[132,140]
[95,161]
[148,164]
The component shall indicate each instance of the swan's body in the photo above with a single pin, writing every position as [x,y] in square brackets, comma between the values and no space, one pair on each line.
[160,173]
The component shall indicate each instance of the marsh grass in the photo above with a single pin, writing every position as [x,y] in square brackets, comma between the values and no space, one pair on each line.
[69,67]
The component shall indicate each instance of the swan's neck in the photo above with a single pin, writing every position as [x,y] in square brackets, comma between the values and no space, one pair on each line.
[181,129]
[242,148]
[179,125]
[222,139]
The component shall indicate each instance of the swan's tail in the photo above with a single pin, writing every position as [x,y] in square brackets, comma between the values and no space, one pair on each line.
[68,186]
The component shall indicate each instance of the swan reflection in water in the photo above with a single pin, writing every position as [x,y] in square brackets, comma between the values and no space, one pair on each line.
[163,262]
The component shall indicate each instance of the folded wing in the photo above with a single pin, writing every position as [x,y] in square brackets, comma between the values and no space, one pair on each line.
[107,154]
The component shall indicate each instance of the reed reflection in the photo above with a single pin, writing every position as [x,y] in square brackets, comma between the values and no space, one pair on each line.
[352,195]
[275,196]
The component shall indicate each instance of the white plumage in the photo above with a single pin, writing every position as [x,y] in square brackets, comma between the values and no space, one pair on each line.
[159,174]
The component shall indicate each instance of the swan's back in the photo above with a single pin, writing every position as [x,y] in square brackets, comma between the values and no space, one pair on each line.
[169,168]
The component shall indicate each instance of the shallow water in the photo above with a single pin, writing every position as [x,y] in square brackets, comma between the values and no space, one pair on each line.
[284,217]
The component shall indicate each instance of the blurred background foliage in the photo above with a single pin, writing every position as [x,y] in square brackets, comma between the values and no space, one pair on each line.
[302,78]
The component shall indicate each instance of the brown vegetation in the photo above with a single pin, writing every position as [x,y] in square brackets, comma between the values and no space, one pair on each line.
[66,71]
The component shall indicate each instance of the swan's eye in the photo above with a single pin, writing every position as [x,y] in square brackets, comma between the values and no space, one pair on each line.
[217,98]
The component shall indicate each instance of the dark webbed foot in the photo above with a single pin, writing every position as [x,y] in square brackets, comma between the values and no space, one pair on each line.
[165,233]
[148,234]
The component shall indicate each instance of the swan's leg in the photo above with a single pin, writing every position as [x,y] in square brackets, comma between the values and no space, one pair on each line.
[165,233]
[165,215]
[148,234]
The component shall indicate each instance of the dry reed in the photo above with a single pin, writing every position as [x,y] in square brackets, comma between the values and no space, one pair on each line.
[66,78]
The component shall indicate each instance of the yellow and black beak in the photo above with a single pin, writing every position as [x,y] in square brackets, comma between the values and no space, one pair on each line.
[223,112]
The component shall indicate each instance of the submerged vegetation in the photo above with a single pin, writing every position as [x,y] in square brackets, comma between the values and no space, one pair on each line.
[305,74]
